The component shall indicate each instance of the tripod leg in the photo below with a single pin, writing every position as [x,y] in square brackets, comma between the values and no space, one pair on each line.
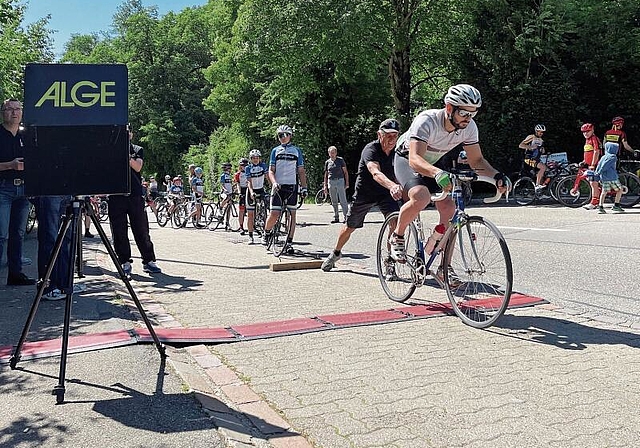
[127,283]
[79,252]
[59,390]
[66,222]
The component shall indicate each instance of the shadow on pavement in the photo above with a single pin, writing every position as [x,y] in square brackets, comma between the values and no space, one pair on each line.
[562,333]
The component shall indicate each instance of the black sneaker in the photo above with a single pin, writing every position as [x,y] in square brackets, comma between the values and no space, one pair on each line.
[88,234]
[19,280]
[289,250]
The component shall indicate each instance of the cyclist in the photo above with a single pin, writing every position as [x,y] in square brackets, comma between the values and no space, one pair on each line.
[433,134]
[255,173]
[226,190]
[286,165]
[533,146]
[592,154]
[197,192]
[240,178]
[617,135]
[375,185]
[174,195]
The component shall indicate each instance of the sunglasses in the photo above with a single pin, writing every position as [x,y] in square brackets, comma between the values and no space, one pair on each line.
[283,135]
[467,113]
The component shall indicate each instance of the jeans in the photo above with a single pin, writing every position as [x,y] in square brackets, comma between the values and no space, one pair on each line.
[14,209]
[337,192]
[49,210]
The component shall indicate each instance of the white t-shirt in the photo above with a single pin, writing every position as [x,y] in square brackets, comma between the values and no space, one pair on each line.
[428,127]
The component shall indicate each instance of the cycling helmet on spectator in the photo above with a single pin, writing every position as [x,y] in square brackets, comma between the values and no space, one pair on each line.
[177,179]
[617,121]
[198,170]
[463,95]
[255,153]
[226,165]
[243,161]
[540,128]
[586,127]
[284,129]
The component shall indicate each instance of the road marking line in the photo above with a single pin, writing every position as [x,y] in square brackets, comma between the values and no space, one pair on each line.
[533,228]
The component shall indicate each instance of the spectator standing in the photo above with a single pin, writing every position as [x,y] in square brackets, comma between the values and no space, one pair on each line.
[14,206]
[336,182]
[606,170]
[131,206]
[240,178]
[375,185]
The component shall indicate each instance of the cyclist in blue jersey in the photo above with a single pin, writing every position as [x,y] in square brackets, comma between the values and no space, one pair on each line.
[255,173]
[286,171]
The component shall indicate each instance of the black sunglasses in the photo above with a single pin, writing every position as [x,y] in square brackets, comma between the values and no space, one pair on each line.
[283,134]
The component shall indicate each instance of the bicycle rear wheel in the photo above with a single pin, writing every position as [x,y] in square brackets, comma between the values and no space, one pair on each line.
[632,196]
[321,198]
[480,275]
[280,233]
[524,191]
[398,280]
[260,216]
[582,192]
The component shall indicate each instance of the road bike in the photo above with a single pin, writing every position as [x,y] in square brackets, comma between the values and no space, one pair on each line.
[223,212]
[474,263]
[575,191]
[259,214]
[283,227]
[524,190]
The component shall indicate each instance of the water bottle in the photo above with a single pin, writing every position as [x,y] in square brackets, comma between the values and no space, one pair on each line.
[436,236]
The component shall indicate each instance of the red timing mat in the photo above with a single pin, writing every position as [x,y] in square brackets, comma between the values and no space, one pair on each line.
[261,330]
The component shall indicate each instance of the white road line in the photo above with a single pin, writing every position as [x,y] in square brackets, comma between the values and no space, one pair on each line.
[546,229]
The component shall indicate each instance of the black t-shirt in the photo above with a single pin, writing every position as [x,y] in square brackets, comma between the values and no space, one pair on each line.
[10,147]
[366,186]
[136,152]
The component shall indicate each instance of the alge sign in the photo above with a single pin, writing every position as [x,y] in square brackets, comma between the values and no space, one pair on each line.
[82,94]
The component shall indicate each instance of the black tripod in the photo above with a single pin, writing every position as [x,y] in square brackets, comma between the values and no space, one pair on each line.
[72,219]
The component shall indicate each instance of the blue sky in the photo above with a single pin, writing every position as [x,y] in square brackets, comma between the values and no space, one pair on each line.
[86,16]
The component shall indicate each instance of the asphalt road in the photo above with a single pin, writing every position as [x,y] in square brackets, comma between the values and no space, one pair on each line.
[574,258]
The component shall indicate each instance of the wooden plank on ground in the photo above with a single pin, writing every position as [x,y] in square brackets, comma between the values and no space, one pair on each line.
[294,265]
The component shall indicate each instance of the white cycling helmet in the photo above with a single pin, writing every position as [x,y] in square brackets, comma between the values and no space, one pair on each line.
[255,153]
[463,95]
[540,127]
[284,129]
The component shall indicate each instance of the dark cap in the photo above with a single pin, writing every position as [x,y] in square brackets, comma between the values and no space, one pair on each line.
[389,125]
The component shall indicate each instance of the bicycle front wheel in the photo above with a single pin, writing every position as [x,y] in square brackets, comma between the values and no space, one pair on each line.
[479,276]
[163,215]
[398,280]
[280,233]
[632,196]
[571,195]
[524,190]
[231,221]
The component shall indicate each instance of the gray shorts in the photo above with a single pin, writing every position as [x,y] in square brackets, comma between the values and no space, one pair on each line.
[408,178]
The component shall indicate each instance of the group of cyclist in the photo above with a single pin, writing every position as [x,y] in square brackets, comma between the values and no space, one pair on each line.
[595,166]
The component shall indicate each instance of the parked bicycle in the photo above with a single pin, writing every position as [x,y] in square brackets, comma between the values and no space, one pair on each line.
[472,255]
[223,212]
[575,190]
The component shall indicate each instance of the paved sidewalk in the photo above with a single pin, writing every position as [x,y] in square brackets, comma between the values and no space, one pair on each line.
[541,377]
